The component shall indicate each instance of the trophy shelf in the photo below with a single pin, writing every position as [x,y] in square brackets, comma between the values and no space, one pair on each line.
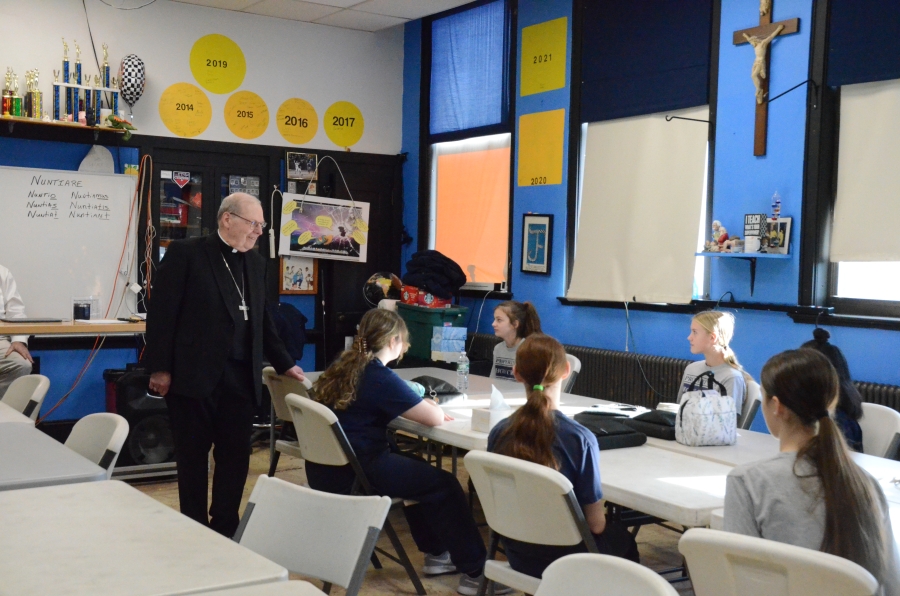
[11,121]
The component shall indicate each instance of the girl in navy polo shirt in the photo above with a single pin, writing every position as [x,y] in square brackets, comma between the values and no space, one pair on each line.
[366,396]
[540,433]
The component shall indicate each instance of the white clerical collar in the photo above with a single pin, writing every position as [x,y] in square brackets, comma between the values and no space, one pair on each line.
[233,249]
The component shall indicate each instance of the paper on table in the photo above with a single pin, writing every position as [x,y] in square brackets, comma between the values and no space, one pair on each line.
[497,401]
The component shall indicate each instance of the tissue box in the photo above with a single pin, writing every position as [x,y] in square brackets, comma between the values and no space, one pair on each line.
[484,420]
[448,340]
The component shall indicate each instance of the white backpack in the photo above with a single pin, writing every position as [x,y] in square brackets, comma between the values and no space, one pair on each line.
[706,417]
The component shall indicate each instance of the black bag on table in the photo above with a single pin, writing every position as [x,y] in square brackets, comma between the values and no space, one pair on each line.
[655,423]
[438,389]
[610,431]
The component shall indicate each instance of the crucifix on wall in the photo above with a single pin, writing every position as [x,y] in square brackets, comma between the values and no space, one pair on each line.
[760,38]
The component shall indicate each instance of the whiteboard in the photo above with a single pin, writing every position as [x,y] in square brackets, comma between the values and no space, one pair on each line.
[61,237]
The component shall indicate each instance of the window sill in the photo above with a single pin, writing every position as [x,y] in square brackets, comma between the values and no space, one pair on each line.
[858,321]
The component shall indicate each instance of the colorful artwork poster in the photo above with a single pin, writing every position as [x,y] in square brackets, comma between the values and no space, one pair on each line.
[324,228]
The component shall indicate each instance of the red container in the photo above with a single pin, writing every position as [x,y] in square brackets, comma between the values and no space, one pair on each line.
[409,295]
[432,301]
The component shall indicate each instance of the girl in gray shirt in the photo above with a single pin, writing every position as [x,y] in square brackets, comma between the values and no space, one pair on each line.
[811,494]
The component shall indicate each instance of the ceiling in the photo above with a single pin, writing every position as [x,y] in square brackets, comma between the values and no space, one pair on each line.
[363,15]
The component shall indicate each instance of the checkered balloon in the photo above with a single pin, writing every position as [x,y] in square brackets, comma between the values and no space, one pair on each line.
[131,79]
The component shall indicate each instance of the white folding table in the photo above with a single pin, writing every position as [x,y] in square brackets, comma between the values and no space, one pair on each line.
[109,538]
[9,415]
[29,458]
[295,587]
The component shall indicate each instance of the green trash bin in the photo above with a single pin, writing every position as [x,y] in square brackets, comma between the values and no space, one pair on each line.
[421,322]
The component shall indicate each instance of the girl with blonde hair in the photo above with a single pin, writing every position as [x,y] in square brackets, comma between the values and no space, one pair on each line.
[366,396]
[711,335]
[538,432]
[811,494]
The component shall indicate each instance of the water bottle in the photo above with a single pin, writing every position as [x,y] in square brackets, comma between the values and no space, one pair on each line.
[462,372]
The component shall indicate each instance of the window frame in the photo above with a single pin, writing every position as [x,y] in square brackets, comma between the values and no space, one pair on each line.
[507,125]
[818,275]
[576,136]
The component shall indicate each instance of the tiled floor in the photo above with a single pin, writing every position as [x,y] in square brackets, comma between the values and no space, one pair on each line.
[658,546]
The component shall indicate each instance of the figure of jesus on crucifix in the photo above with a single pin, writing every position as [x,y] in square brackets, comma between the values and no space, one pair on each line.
[758,70]
[760,38]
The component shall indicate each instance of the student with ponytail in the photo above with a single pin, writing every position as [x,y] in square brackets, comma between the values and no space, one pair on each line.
[366,395]
[540,433]
[848,410]
[513,322]
[711,334]
[811,494]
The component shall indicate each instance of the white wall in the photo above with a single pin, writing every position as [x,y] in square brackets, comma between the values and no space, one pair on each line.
[285,59]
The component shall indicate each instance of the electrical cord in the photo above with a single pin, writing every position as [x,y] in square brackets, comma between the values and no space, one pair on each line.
[637,358]
[478,320]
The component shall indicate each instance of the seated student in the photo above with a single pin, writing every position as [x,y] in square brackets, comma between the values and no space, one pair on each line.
[711,333]
[540,433]
[811,494]
[366,395]
[513,322]
[849,407]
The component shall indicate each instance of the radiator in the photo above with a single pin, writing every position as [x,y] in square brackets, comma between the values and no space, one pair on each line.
[876,393]
[620,376]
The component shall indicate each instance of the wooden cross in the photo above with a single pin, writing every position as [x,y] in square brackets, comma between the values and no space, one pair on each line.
[760,36]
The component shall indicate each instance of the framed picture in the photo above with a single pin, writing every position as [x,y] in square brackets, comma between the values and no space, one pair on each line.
[299,275]
[777,239]
[537,238]
[301,166]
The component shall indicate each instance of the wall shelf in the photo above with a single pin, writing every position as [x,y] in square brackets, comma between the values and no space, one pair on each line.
[746,256]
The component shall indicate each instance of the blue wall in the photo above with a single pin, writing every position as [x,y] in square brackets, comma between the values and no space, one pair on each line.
[742,184]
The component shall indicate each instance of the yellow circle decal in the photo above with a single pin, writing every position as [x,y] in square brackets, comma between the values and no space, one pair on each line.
[246,114]
[344,124]
[185,109]
[218,63]
[297,121]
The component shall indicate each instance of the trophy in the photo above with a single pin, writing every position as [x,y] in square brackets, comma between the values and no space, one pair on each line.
[104,70]
[16,109]
[65,75]
[57,96]
[88,97]
[76,102]
[37,97]
[97,98]
[115,96]
[7,93]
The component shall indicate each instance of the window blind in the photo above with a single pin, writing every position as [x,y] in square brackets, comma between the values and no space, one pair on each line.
[867,207]
[468,62]
[641,198]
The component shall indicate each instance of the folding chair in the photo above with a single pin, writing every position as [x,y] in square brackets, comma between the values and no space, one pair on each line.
[26,394]
[321,440]
[99,438]
[726,564]
[279,386]
[326,536]
[528,502]
[881,431]
[586,574]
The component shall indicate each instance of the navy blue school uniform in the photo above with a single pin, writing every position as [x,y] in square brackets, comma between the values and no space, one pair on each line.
[578,455]
[441,520]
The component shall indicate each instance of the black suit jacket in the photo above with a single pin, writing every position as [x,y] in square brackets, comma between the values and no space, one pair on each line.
[190,323]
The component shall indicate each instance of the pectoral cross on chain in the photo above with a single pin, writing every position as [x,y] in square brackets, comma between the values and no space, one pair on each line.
[760,37]
[244,308]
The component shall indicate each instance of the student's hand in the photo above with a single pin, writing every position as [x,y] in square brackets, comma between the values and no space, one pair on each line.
[447,417]
[20,349]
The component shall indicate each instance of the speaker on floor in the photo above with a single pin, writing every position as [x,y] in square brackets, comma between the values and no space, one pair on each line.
[150,435]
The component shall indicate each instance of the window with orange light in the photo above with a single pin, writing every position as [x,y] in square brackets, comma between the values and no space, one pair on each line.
[470,207]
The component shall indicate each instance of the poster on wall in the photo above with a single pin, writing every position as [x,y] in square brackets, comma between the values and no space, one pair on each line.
[324,228]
